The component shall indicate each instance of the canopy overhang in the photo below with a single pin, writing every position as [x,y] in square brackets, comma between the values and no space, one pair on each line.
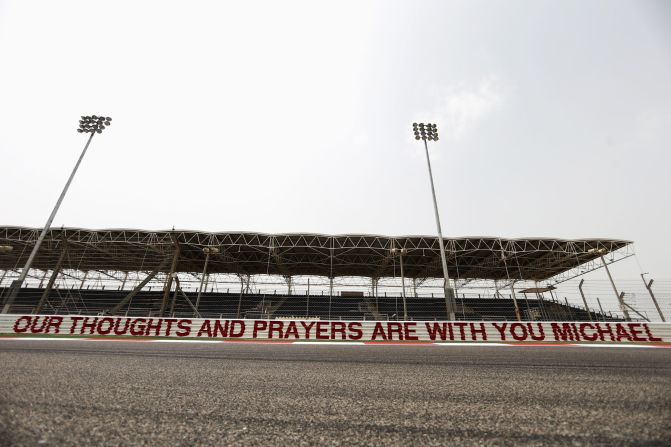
[248,253]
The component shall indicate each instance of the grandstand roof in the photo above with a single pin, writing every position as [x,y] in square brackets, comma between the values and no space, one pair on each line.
[302,254]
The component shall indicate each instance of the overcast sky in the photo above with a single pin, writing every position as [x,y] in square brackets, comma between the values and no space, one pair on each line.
[555,117]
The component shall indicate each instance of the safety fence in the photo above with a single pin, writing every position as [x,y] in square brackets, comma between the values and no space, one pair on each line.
[336,331]
[344,307]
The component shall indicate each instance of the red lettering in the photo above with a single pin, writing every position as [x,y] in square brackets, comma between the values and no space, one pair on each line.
[307,328]
[322,331]
[601,331]
[17,328]
[439,329]
[379,331]
[292,330]
[205,328]
[33,326]
[563,332]
[137,327]
[481,331]
[168,325]
[153,327]
[237,329]
[621,332]
[125,326]
[634,332]
[90,326]
[259,325]
[650,337]
[513,331]
[461,327]
[75,320]
[541,333]
[220,329]
[338,328]
[501,329]
[409,331]
[184,327]
[585,336]
[395,328]
[54,322]
[355,332]
[102,330]
[275,326]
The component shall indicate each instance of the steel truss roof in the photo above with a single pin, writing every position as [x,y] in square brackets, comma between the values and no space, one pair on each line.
[302,254]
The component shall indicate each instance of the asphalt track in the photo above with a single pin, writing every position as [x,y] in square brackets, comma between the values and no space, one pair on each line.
[123,393]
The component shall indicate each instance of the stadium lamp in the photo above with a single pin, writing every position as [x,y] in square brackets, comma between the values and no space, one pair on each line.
[87,124]
[6,248]
[429,132]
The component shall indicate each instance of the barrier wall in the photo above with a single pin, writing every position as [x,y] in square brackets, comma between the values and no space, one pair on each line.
[319,330]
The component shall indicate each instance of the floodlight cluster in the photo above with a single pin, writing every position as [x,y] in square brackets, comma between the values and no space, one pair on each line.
[425,131]
[93,123]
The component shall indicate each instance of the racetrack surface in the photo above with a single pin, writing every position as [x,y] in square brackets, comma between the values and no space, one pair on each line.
[124,393]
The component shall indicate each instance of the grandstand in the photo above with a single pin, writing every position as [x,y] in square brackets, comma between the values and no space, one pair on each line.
[253,275]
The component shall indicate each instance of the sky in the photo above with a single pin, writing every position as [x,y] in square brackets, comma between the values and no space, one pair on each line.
[296,116]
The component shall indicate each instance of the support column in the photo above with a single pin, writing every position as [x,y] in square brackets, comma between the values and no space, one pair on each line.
[42,280]
[168,281]
[619,296]
[652,295]
[330,294]
[137,288]
[289,282]
[242,290]
[202,280]
[603,315]
[52,280]
[174,295]
[307,300]
[584,301]
[517,309]
[405,305]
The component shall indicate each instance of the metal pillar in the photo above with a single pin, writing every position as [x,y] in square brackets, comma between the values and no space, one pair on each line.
[330,294]
[307,300]
[242,289]
[52,280]
[449,297]
[42,280]
[405,305]
[16,285]
[202,280]
[174,295]
[138,288]
[603,315]
[584,301]
[652,295]
[168,281]
[619,296]
[517,309]
[289,282]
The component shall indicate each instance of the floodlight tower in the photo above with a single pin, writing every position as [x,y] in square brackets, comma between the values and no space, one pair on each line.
[87,124]
[429,132]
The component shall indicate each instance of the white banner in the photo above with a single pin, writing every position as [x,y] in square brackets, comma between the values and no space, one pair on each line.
[319,330]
